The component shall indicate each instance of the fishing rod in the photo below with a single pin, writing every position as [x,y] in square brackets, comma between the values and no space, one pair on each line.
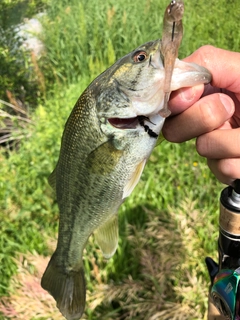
[224,294]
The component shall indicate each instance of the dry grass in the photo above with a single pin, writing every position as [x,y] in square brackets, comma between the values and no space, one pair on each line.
[13,121]
[170,284]
[27,299]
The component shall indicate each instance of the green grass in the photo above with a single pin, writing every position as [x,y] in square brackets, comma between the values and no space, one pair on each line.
[84,37]
[167,226]
[176,184]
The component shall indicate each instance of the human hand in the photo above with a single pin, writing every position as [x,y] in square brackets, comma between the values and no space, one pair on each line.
[211,113]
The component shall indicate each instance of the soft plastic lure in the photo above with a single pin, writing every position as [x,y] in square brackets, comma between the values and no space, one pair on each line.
[171,40]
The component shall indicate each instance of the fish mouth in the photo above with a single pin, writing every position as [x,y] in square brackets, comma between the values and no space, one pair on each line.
[133,123]
[124,123]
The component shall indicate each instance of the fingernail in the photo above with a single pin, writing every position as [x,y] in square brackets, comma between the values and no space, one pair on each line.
[187,94]
[227,103]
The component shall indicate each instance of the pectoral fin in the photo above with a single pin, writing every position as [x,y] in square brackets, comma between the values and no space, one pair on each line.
[106,237]
[131,184]
[104,158]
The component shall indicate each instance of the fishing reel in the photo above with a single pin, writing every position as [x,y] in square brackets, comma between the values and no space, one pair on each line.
[225,293]
[225,276]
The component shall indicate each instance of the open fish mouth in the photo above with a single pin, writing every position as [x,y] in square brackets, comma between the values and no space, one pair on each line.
[133,123]
[124,123]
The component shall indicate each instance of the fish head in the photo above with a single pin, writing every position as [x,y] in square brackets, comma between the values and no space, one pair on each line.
[133,86]
[138,77]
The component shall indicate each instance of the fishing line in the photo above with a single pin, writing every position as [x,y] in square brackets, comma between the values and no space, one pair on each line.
[173,29]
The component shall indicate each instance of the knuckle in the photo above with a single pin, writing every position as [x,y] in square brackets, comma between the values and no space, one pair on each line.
[230,167]
[212,112]
[216,167]
[207,49]
[206,54]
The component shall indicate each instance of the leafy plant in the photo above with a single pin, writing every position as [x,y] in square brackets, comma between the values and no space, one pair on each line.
[16,73]
[12,12]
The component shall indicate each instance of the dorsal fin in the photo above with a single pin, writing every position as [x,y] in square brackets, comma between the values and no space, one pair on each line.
[52,179]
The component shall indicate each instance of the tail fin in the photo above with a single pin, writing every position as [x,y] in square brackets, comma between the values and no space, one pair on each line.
[68,289]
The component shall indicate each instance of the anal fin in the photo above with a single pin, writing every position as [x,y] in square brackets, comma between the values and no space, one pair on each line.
[106,237]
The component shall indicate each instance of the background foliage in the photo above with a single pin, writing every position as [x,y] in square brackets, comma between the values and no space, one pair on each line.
[18,75]
[167,226]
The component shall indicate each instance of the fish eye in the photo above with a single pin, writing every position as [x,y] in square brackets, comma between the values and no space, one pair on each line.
[139,56]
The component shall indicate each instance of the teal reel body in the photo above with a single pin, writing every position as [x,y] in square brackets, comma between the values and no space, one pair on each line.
[225,293]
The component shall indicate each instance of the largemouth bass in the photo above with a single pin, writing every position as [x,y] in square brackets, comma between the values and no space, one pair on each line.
[107,140]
